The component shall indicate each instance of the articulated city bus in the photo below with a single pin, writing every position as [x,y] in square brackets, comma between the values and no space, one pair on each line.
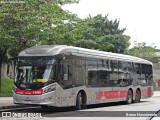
[61,75]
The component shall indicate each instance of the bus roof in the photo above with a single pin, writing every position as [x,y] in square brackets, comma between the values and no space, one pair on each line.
[51,50]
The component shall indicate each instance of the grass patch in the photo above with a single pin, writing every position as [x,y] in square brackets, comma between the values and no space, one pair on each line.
[6,88]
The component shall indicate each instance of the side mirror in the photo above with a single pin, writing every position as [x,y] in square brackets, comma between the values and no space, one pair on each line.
[65,77]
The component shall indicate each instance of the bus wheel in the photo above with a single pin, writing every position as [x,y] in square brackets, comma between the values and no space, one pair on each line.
[129,97]
[80,101]
[138,96]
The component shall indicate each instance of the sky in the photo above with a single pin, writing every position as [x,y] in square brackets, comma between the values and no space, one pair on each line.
[141,18]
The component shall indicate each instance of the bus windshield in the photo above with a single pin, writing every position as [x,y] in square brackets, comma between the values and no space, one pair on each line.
[33,73]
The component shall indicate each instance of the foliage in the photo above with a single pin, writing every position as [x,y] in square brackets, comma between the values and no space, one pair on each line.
[93,32]
[143,51]
[30,23]
[105,35]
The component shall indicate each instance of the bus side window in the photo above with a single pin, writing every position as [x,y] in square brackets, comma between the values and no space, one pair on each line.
[114,65]
[143,74]
[113,73]
[149,74]
[138,71]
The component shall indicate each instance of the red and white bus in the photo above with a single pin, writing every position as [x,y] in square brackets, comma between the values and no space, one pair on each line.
[61,75]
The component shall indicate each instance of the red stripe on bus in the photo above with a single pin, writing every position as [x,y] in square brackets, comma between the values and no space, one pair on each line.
[111,94]
[99,95]
[144,92]
[123,93]
[29,92]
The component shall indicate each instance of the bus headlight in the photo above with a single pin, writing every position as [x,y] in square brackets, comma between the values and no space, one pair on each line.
[49,89]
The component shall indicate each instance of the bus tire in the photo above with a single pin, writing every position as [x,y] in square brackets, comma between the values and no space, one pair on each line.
[137,96]
[129,97]
[80,101]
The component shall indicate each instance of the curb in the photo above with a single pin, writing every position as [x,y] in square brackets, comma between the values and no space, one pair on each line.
[14,106]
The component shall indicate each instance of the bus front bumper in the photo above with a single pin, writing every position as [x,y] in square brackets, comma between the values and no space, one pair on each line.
[44,99]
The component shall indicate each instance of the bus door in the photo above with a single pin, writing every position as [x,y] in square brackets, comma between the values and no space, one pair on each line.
[150,86]
[66,83]
[149,74]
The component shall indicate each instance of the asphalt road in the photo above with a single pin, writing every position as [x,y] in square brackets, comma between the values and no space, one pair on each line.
[111,111]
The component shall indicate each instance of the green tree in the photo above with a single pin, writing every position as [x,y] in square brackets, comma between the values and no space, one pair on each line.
[143,51]
[97,32]
[30,23]
[103,34]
